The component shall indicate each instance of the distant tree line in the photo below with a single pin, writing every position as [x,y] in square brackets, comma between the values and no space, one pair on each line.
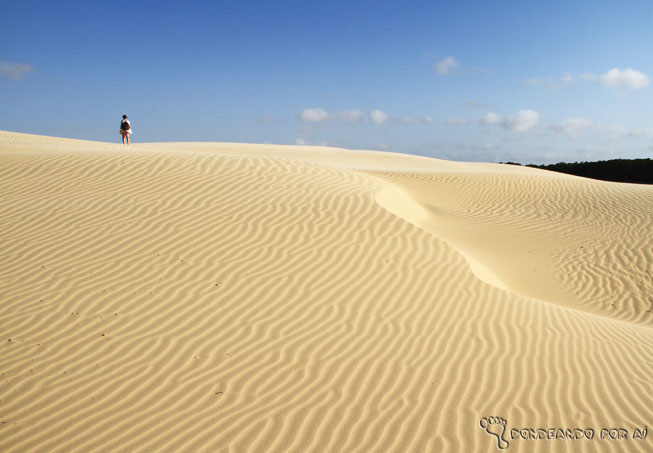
[638,171]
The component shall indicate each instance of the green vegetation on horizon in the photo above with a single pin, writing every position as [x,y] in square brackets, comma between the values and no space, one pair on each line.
[638,171]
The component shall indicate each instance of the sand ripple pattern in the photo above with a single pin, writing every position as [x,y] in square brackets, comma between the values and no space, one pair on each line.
[221,297]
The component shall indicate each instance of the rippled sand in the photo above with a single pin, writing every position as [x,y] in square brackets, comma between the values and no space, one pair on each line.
[232,297]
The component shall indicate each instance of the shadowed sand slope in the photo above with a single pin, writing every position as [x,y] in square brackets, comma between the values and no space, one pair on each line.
[228,297]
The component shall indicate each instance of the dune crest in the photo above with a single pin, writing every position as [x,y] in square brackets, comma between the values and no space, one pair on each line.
[560,239]
[403,205]
[233,297]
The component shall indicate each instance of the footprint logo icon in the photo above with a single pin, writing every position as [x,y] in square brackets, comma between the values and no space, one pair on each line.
[495,426]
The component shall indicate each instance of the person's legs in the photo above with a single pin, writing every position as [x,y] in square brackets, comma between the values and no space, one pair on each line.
[123,138]
[127,135]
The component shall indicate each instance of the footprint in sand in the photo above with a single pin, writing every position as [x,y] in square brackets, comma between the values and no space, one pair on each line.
[495,426]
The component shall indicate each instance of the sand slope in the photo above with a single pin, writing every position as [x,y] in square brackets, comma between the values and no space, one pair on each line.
[227,297]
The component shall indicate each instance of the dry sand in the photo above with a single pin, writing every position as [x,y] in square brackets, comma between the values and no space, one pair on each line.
[231,297]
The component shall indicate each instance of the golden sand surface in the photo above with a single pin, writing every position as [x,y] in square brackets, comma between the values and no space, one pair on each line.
[237,297]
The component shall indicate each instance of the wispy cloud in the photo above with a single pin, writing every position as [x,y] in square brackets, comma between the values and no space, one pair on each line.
[415,120]
[302,141]
[350,116]
[457,121]
[465,151]
[318,115]
[641,132]
[446,66]
[379,116]
[522,121]
[573,127]
[629,79]
[552,83]
[617,131]
[14,71]
[491,119]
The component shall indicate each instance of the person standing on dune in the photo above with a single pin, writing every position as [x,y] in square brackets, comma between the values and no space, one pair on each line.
[125,129]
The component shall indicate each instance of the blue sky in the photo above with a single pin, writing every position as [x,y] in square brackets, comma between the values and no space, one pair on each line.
[467,80]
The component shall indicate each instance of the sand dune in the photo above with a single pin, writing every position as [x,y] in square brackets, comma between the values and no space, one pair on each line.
[231,297]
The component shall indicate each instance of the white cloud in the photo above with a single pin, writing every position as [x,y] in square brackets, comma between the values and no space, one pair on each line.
[491,119]
[315,115]
[378,116]
[616,131]
[446,66]
[523,121]
[318,115]
[628,78]
[588,76]
[14,71]
[552,83]
[466,150]
[624,78]
[301,142]
[415,120]
[590,153]
[573,127]
[349,116]
[645,132]
[457,121]
[567,79]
